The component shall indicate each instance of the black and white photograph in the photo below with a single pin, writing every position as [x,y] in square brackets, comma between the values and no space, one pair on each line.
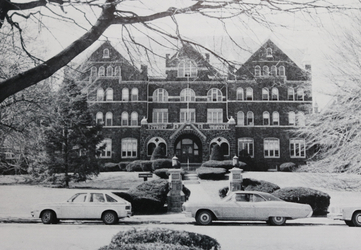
[180,124]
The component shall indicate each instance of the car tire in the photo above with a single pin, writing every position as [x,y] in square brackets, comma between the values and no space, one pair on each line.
[349,223]
[204,217]
[110,218]
[277,221]
[356,219]
[48,217]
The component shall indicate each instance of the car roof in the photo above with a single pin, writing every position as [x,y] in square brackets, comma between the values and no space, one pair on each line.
[249,192]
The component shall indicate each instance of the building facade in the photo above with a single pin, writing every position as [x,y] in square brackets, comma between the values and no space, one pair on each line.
[251,112]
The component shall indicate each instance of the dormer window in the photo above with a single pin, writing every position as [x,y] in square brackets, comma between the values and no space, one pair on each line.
[187,68]
[269,52]
[106,53]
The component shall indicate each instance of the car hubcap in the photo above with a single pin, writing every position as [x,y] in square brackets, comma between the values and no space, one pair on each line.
[205,217]
[278,219]
[46,216]
[358,219]
[109,218]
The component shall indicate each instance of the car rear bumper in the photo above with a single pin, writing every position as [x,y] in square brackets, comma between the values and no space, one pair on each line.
[335,216]
[188,214]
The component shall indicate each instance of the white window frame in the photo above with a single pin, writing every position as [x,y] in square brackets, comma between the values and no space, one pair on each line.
[273,70]
[214,95]
[101,71]
[275,94]
[187,68]
[109,71]
[265,94]
[107,152]
[214,116]
[300,119]
[106,53]
[271,148]
[134,119]
[100,95]
[109,94]
[109,119]
[129,147]
[250,118]
[297,148]
[281,71]
[275,118]
[99,118]
[160,115]
[240,118]
[125,118]
[291,94]
[187,95]
[240,94]
[125,95]
[160,95]
[134,94]
[257,70]
[265,70]
[247,144]
[266,118]
[187,116]
[249,94]
[292,118]
[300,94]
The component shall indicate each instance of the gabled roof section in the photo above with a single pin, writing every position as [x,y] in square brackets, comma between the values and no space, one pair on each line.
[187,51]
[277,58]
[114,55]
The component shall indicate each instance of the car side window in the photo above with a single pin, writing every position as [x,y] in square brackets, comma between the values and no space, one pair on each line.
[242,197]
[257,198]
[97,197]
[79,198]
[110,199]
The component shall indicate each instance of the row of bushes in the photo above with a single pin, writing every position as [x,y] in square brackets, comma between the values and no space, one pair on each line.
[319,201]
[160,238]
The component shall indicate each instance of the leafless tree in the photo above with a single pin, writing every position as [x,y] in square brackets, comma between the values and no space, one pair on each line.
[133,16]
[335,133]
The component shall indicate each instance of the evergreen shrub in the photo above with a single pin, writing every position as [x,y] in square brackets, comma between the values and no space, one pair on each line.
[161,238]
[288,167]
[161,163]
[139,166]
[164,174]
[227,164]
[211,173]
[216,153]
[319,201]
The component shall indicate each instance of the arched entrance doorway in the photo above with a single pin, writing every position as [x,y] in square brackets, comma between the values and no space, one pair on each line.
[188,149]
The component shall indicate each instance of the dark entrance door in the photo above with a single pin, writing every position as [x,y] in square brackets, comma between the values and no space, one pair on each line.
[188,150]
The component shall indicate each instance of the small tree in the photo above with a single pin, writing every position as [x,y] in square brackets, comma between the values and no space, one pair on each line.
[72,137]
[216,153]
[158,153]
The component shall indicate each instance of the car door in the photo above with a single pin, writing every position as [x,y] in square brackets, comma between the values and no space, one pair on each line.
[74,207]
[95,206]
[239,207]
[262,207]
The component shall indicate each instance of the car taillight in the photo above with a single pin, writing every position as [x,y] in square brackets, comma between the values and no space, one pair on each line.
[127,207]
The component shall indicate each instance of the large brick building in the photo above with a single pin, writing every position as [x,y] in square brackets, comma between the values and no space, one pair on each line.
[193,107]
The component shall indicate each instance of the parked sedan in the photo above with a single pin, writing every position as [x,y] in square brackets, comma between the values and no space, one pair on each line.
[350,214]
[247,206]
[85,205]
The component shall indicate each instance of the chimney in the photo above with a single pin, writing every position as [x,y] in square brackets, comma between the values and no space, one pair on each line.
[144,72]
[207,57]
[166,59]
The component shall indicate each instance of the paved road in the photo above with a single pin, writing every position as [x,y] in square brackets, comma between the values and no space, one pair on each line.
[254,236]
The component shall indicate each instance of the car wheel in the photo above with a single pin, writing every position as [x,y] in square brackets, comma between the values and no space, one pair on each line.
[109,218]
[48,217]
[349,223]
[277,221]
[204,217]
[356,219]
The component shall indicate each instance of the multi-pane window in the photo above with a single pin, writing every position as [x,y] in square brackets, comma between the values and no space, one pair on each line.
[214,95]
[250,118]
[265,70]
[134,94]
[160,95]
[291,94]
[117,71]
[249,94]
[281,71]
[125,94]
[257,71]
[101,71]
[106,53]
[246,145]
[300,94]
[301,120]
[240,118]
[109,119]
[187,68]
[100,95]
[129,148]
[291,118]
[266,118]
[134,119]
[93,71]
[273,70]
[109,71]
[187,95]
[269,52]
[160,115]
[214,115]
[107,151]
[265,94]
[222,142]
[109,94]
[155,142]
[271,148]
[99,118]
[125,119]
[275,94]
[275,118]
[187,115]
[297,148]
[240,94]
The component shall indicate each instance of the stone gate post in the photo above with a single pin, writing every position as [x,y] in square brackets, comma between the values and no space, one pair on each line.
[235,179]
[175,196]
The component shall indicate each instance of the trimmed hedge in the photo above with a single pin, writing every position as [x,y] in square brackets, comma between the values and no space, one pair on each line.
[252,185]
[288,167]
[259,185]
[227,164]
[211,173]
[319,201]
[139,166]
[164,174]
[161,238]
[216,153]
[150,196]
[161,163]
